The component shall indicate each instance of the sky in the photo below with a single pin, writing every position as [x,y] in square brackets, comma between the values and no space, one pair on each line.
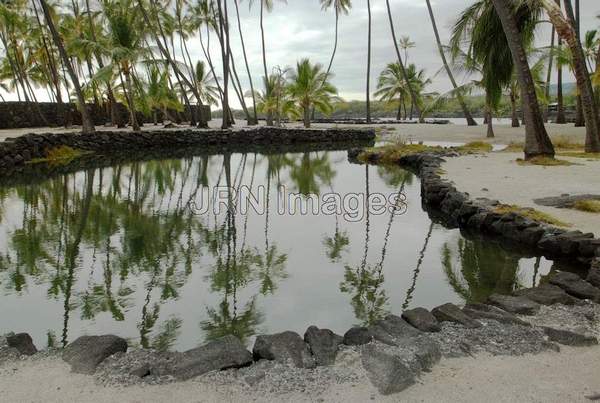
[300,29]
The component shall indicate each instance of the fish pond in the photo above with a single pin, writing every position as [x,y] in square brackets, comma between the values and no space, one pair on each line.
[172,253]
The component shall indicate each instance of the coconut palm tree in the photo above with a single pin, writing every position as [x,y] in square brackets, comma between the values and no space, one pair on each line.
[159,96]
[566,28]
[392,88]
[537,142]
[413,95]
[369,64]
[265,5]
[339,7]
[254,120]
[86,119]
[309,86]
[459,96]
[125,48]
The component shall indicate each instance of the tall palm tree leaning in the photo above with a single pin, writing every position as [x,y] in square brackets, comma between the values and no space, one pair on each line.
[239,23]
[268,5]
[413,95]
[86,120]
[309,87]
[339,7]
[537,142]
[369,65]
[565,27]
[459,95]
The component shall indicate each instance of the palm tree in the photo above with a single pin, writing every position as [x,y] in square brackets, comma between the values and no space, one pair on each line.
[369,65]
[309,86]
[254,120]
[125,47]
[205,84]
[413,95]
[87,122]
[339,7]
[391,86]
[537,142]
[159,95]
[459,95]
[268,6]
[566,29]
[406,43]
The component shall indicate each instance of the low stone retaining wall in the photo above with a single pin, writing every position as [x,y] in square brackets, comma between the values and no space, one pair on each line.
[18,151]
[15,115]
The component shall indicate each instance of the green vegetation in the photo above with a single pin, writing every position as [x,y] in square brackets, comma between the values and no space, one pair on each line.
[391,153]
[588,205]
[544,161]
[530,213]
[61,155]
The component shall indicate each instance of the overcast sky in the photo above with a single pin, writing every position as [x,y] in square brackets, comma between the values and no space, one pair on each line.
[300,29]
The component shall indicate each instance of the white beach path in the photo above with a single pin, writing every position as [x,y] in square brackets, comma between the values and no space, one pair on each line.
[549,377]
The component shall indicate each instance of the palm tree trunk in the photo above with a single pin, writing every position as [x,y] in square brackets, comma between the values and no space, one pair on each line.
[86,120]
[264,55]
[537,142]
[170,61]
[549,75]
[489,118]
[513,107]
[306,111]
[411,90]
[369,65]
[255,117]
[579,119]
[224,39]
[399,113]
[565,29]
[459,95]
[560,112]
[129,94]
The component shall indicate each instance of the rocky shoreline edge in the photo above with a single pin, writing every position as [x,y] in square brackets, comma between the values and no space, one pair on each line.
[15,153]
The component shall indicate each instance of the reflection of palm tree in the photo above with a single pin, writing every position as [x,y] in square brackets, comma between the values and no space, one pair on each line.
[308,171]
[411,289]
[482,269]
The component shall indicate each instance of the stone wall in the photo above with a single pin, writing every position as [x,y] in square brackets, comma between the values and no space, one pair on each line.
[15,153]
[455,209]
[14,115]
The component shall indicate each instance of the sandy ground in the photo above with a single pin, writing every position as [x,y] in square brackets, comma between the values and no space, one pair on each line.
[568,376]
[415,132]
[497,176]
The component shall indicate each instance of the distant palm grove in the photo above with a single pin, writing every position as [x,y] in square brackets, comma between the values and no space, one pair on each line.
[137,53]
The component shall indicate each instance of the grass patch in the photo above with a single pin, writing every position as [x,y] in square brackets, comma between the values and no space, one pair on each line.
[530,213]
[476,146]
[588,205]
[61,155]
[544,161]
[580,154]
[390,154]
[514,148]
[566,143]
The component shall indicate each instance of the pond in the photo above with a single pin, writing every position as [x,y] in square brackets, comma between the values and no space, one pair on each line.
[164,253]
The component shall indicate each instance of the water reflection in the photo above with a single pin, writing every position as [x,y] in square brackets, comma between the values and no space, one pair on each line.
[476,269]
[121,250]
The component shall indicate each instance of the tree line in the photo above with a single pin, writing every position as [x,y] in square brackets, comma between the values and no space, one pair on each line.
[137,52]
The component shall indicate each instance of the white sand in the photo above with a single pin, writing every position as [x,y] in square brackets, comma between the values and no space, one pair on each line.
[549,377]
[511,183]
[416,132]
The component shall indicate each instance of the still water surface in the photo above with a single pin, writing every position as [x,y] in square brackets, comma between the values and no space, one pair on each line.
[125,250]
